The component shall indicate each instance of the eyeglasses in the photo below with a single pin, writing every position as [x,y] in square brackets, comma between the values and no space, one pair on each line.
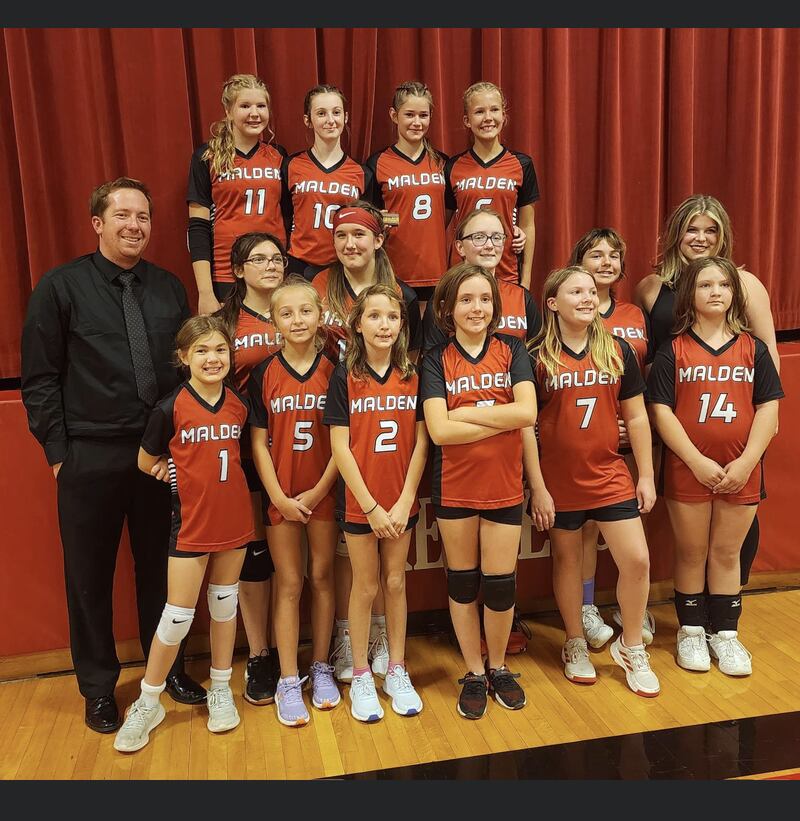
[479,238]
[278,260]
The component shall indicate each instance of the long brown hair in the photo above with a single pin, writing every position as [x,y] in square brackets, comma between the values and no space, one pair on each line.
[685,313]
[547,343]
[446,294]
[671,262]
[240,252]
[337,293]
[413,88]
[355,353]
[221,150]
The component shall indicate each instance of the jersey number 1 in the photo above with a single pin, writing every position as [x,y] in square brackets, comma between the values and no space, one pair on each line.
[223,465]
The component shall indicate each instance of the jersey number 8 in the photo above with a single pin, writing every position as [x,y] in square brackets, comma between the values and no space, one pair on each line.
[422,207]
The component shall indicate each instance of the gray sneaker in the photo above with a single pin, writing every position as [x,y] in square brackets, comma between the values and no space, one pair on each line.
[139,721]
[577,666]
[222,712]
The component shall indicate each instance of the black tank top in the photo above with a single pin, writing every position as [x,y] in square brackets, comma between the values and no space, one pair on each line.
[662,316]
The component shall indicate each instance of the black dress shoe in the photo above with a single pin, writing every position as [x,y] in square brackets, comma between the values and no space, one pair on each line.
[102,714]
[185,690]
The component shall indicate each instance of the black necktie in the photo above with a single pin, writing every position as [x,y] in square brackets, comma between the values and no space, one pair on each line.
[137,339]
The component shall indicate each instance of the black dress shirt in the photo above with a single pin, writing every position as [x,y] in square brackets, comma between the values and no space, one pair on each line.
[77,372]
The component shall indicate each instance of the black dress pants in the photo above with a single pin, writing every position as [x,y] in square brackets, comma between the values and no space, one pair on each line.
[99,486]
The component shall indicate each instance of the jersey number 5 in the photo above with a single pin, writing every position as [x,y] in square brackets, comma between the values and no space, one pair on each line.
[303,438]
[384,441]
[588,406]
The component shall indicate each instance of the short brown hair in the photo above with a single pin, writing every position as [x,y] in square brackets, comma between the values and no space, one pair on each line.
[98,202]
[196,327]
[446,293]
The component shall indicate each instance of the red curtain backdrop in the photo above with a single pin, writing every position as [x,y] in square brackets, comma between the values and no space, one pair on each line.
[622,125]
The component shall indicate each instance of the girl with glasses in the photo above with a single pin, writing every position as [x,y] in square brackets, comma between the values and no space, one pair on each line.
[491,174]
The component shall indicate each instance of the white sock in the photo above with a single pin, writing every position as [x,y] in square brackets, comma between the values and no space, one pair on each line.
[220,679]
[151,692]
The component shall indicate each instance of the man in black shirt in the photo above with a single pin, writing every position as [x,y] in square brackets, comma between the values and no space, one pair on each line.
[97,351]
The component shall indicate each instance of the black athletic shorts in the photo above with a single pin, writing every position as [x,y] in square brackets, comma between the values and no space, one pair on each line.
[575,519]
[359,529]
[424,292]
[193,554]
[251,474]
[304,269]
[502,515]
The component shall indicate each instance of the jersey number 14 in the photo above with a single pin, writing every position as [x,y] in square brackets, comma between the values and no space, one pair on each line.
[727,412]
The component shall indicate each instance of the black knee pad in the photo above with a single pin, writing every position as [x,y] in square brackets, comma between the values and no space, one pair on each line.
[463,585]
[500,592]
[257,566]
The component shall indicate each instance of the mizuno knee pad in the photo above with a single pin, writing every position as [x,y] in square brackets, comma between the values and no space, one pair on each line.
[463,585]
[500,592]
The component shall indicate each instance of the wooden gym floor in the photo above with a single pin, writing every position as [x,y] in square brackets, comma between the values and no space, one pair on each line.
[42,734]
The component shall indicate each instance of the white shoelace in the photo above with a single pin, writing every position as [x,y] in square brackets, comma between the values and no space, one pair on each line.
[220,698]
[576,650]
[403,680]
[733,650]
[343,650]
[364,686]
[692,645]
[379,645]
[639,658]
[138,715]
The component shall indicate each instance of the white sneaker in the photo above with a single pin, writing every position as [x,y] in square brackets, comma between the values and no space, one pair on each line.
[364,703]
[222,712]
[577,666]
[139,721]
[734,659]
[595,630]
[648,625]
[379,653]
[635,662]
[405,699]
[692,649]
[342,656]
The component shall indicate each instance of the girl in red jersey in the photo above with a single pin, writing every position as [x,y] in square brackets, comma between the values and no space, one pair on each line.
[477,391]
[234,187]
[480,239]
[408,180]
[358,237]
[258,261]
[601,252]
[584,377]
[192,442]
[359,234]
[700,227]
[291,448]
[380,446]
[714,394]
[320,180]
[490,174]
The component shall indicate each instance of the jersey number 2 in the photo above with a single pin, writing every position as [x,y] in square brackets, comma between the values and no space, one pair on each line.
[384,441]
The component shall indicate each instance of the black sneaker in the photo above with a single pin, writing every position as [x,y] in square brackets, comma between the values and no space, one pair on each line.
[472,701]
[260,679]
[505,690]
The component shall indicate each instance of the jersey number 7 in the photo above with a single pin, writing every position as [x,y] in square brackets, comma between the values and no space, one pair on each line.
[588,405]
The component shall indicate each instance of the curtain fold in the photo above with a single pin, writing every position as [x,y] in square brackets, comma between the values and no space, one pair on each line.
[622,124]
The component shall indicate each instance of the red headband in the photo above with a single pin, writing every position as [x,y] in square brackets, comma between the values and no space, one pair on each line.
[357,216]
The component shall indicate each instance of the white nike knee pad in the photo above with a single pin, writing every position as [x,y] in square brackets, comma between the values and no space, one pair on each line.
[175,623]
[222,601]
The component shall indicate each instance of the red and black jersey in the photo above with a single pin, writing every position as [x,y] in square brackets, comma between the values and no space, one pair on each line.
[485,474]
[314,194]
[256,338]
[520,317]
[248,198]
[414,189]
[382,414]
[578,431]
[335,325]
[629,322]
[290,406]
[506,183]
[713,394]
[210,500]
